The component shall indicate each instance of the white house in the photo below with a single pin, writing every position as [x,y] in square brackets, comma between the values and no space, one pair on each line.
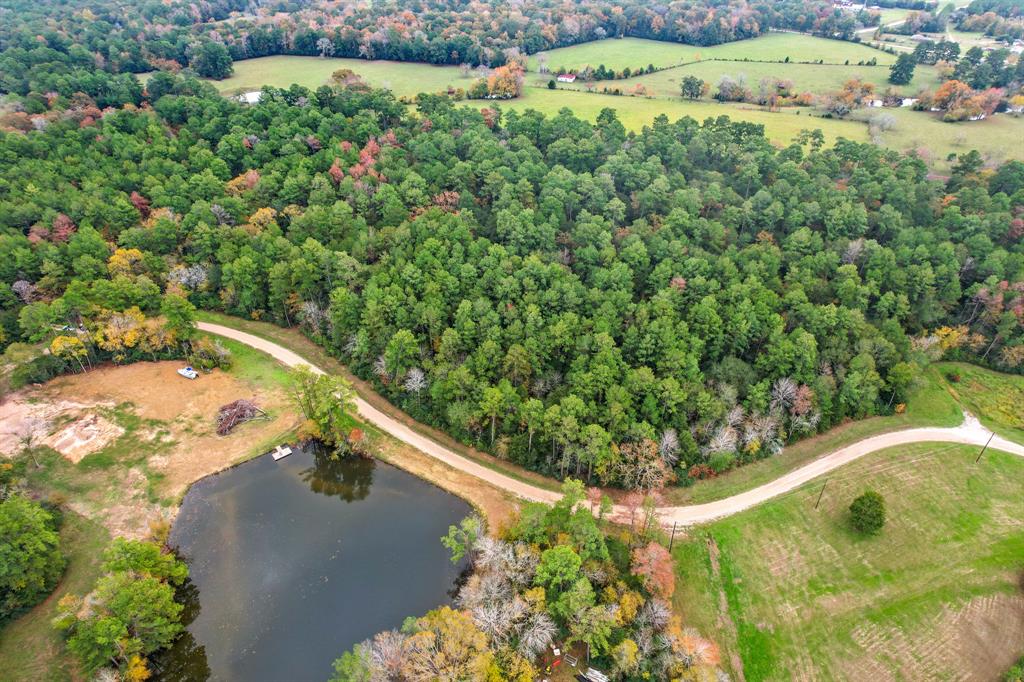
[567,78]
[252,97]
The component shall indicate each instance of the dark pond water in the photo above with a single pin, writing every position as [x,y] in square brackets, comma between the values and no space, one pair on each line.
[295,561]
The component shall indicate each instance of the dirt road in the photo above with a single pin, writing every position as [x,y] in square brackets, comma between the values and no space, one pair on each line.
[971,432]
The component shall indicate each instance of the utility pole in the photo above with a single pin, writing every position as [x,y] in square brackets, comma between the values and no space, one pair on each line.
[673,538]
[990,437]
[821,493]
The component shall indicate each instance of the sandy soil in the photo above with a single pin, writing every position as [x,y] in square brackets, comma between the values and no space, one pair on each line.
[70,427]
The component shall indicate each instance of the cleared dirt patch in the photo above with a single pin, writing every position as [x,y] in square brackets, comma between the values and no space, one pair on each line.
[186,410]
[135,437]
[72,428]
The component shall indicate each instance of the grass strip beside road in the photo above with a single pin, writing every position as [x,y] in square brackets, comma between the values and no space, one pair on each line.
[317,355]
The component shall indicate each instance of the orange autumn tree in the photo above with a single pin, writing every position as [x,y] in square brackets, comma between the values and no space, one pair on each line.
[506,82]
[653,565]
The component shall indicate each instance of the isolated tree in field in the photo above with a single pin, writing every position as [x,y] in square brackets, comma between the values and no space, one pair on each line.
[692,87]
[31,562]
[902,71]
[867,513]
[324,401]
[29,431]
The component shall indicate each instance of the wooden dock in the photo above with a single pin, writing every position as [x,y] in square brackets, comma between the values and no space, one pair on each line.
[280,452]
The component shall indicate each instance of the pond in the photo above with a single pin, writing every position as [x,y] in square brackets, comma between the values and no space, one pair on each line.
[293,562]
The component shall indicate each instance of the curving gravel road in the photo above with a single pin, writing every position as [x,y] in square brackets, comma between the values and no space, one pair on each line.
[970,432]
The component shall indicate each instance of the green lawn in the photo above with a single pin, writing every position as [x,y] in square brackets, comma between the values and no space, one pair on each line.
[892,14]
[30,649]
[806,597]
[993,397]
[618,53]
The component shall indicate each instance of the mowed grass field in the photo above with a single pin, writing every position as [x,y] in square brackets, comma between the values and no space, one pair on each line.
[618,53]
[792,592]
[998,138]
[813,78]
[402,78]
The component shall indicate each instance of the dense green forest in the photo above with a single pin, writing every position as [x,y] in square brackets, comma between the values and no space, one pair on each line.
[79,46]
[626,307]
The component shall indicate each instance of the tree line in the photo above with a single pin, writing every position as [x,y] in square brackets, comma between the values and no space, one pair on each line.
[71,48]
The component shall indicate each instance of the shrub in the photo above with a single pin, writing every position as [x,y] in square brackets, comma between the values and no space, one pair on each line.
[31,562]
[867,513]
[37,371]
[720,461]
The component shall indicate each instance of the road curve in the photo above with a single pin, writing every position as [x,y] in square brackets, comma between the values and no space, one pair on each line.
[970,432]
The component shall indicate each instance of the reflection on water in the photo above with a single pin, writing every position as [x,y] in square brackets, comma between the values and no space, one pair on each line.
[295,561]
[188,664]
[349,478]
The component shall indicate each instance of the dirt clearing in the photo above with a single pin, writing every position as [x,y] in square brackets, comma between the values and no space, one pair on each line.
[135,437]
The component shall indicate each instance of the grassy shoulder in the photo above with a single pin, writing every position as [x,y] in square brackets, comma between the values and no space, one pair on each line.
[797,593]
[317,355]
[931,404]
[995,398]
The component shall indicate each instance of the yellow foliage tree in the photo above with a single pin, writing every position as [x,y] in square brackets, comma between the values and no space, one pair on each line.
[125,262]
[261,219]
[155,336]
[448,646]
[951,337]
[70,348]
[120,331]
[137,670]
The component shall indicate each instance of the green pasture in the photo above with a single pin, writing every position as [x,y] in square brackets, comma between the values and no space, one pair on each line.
[618,53]
[402,78]
[793,592]
[817,79]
